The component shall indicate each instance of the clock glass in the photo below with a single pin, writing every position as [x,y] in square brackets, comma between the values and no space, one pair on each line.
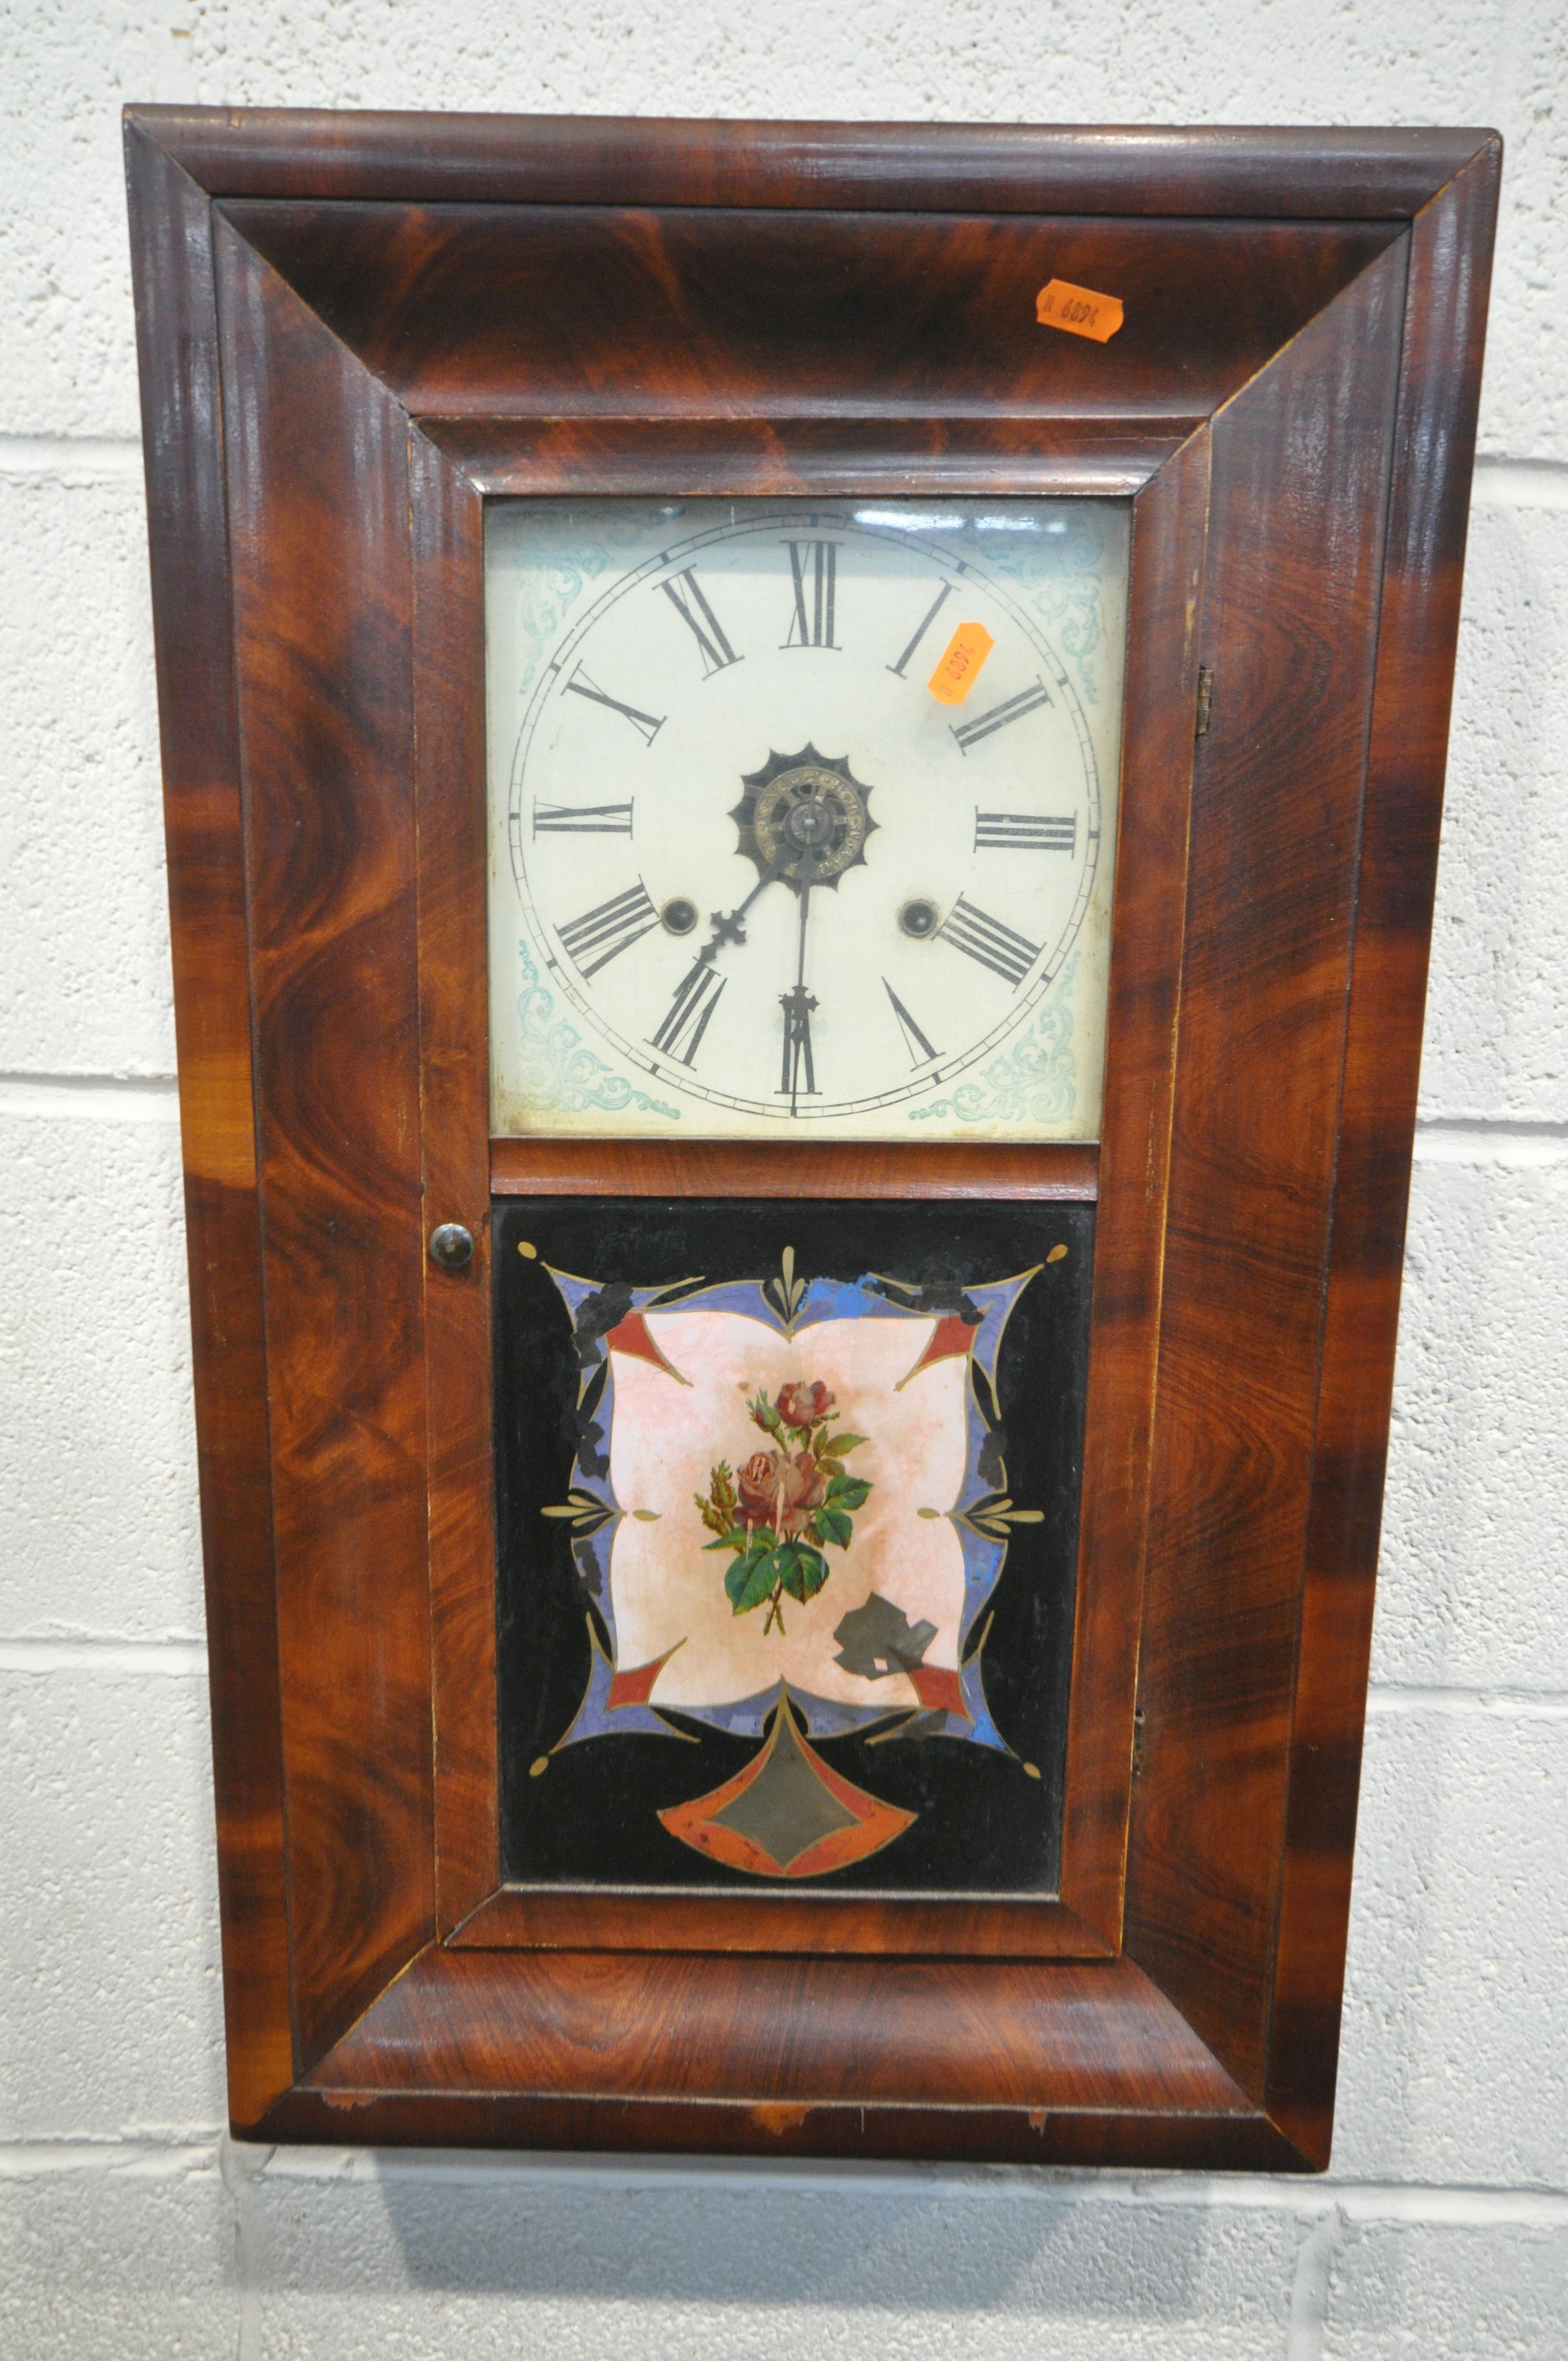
[802,816]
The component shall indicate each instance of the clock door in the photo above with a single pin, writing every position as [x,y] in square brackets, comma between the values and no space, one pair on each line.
[802,831]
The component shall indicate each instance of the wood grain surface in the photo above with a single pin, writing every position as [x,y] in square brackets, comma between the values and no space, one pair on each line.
[449,778]
[319,503]
[1418,627]
[740,1168]
[1170,526]
[1178,2140]
[1289,625]
[1305,173]
[783,2032]
[418,312]
[1098,457]
[686,313]
[557,1919]
[177,329]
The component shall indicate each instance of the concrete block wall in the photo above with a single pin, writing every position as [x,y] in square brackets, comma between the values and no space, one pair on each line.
[129,2226]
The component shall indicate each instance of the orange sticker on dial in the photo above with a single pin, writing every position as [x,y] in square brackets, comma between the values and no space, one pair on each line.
[959,668]
[1077,310]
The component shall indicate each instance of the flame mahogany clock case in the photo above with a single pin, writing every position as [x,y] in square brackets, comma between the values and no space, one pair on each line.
[355,332]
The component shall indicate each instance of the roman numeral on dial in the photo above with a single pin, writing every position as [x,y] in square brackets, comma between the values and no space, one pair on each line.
[685,595]
[932,611]
[981,937]
[602,935]
[970,733]
[813,568]
[647,725]
[914,1041]
[582,819]
[697,997]
[1026,833]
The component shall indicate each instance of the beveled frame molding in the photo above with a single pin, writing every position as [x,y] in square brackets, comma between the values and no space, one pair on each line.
[353,329]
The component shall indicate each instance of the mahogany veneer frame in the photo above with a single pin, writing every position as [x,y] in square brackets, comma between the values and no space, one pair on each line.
[354,329]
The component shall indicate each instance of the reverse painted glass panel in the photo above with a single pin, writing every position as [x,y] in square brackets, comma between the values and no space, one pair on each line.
[788,1511]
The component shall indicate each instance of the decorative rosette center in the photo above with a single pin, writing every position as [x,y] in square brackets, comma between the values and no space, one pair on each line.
[804,803]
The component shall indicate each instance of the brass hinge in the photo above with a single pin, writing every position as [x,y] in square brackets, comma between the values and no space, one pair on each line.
[1205,699]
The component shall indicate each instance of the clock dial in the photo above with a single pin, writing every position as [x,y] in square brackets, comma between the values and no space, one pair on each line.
[802,817]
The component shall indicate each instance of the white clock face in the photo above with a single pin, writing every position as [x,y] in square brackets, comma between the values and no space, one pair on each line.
[802,816]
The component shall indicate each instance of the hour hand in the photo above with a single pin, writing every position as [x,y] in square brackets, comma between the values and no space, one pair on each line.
[726,924]
[727,927]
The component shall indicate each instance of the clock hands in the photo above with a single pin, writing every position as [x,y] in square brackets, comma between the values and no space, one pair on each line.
[798,1006]
[814,825]
[726,924]
[808,829]
[697,993]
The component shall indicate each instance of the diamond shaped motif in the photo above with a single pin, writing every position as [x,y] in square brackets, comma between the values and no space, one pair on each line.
[787,1814]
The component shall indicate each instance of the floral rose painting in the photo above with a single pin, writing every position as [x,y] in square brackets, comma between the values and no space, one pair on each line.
[782,1459]
[788,1504]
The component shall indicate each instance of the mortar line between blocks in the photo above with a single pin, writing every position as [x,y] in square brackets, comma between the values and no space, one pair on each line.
[1460,2204]
[141,1659]
[1502,482]
[1483,1139]
[90,1098]
[100,456]
[1392,1698]
[142,2159]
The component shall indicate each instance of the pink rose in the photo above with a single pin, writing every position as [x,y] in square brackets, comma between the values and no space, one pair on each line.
[758,1486]
[801,1405]
[805,1487]
[781,1492]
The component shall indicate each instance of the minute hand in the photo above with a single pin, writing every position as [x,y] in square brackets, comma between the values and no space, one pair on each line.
[798,1005]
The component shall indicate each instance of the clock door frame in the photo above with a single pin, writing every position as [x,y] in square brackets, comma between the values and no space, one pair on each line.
[474,1908]
[353,330]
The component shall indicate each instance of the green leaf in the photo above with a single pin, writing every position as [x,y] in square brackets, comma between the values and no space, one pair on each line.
[841,1443]
[752,1578]
[734,1539]
[847,1492]
[832,1466]
[802,1570]
[832,1525]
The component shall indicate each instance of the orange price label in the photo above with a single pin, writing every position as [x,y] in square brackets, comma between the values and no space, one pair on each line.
[1079,310]
[959,668]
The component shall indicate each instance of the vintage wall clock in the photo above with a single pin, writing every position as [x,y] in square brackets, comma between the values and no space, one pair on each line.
[803,767]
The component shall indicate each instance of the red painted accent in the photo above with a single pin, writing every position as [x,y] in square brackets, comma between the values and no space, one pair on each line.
[937,1687]
[631,1335]
[951,1337]
[635,1685]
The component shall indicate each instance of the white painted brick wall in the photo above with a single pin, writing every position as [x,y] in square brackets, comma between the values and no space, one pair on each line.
[84,987]
[129,2230]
